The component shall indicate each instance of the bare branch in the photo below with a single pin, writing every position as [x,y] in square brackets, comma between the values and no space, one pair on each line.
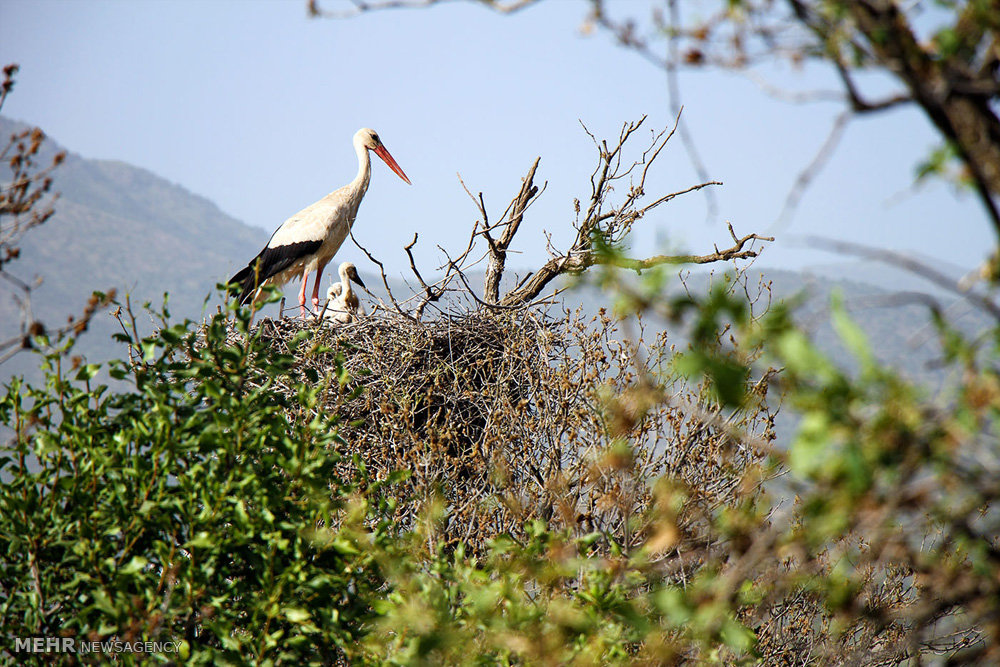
[385,280]
[578,262]
[498,249]
[611,222]
[430,294]
[910,264]
[806,176]
[361,7]
[676,105]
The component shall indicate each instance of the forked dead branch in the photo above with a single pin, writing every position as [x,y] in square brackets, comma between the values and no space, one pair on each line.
[618,200]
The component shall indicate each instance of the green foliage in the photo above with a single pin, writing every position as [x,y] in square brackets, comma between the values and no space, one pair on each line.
[188,507]
[945,162]
[894,484]
[894,529]
[551,601]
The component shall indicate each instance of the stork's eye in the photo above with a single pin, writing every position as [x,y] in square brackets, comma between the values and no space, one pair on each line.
[376,139]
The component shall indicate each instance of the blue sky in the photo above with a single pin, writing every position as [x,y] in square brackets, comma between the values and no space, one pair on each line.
[253,105]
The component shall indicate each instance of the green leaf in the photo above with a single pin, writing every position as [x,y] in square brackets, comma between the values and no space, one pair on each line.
[736,636]
[87,372]
[812,448]
[672,602]
[852,335]
[134,566]
[203,540]
[297,614]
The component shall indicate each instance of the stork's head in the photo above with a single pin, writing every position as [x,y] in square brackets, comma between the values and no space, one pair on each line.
[349,272]
[368,138]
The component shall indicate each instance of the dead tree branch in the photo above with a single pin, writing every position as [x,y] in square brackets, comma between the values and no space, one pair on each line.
[809,173]
[581,261]
[385,280]
[618,200]
[498,247]
[605,226]
[431,293]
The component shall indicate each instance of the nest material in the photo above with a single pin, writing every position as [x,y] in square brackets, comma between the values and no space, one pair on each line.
[434,397]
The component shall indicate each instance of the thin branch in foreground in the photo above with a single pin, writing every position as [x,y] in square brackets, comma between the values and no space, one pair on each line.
[809,173]
[361,6]
[676,106]
[909,264]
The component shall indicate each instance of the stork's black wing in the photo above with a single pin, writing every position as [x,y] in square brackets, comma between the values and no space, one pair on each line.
[270,262]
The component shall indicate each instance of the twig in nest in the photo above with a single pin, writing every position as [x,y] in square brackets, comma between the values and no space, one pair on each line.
[385,280]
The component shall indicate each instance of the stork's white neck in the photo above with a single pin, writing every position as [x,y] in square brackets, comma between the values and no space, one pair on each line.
[346,292]
[360,183]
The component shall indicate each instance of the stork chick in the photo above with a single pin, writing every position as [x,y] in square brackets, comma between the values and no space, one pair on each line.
[342,303]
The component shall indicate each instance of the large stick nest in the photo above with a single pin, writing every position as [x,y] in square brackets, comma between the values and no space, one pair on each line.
[435,397]
[508,416]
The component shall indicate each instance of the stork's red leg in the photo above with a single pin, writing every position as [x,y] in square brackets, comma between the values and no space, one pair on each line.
[302,294]
[319,274]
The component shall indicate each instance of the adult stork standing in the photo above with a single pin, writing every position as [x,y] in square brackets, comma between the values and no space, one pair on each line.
[308,240]
[342,304]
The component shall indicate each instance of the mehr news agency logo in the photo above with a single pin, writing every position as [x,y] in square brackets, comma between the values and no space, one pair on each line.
[73,645]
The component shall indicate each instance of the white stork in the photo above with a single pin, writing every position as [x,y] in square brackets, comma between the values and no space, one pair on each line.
[342,304]
[308,240]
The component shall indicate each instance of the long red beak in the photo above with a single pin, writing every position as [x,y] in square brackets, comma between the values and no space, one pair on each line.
[384,154]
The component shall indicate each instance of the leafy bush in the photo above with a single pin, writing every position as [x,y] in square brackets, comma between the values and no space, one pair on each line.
[189,506]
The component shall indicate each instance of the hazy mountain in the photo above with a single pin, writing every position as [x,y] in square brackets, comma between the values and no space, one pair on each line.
[893,313]
[889,277]
[120,226]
